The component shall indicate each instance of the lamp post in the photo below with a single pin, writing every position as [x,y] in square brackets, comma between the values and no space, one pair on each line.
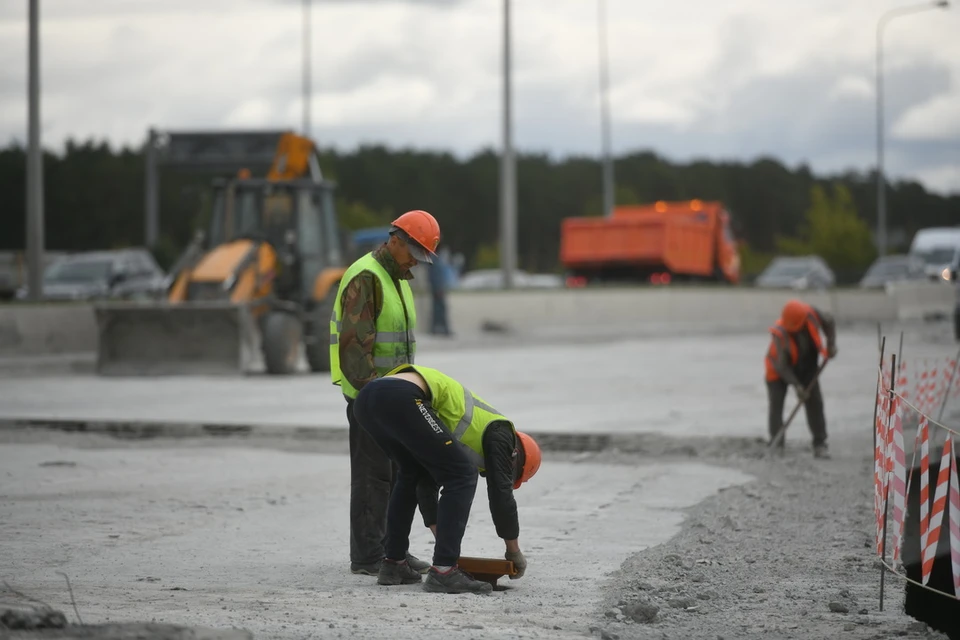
[34,160]
[508,177]
[306,68]
[881,183]
[608,189]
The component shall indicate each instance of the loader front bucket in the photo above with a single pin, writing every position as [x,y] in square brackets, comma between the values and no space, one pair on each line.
[159,338]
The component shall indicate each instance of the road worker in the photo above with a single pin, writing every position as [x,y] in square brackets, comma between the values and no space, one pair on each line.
[793,360]
[372,331]
[431,426]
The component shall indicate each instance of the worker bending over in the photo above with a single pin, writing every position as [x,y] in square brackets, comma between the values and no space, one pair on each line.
[433,427]
[793,360]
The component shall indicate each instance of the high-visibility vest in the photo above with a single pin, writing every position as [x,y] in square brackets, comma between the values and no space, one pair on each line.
[395,343]
[783,339]
[462,413]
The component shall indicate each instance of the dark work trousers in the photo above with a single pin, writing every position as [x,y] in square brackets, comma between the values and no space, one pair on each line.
[777,394]
[399,417]
[438,315]
[372,475]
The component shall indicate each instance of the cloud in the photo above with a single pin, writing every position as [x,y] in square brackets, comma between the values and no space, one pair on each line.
[935,119]
[737,79]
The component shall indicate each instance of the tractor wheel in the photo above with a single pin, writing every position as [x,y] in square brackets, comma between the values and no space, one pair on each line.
[318,346]
[281,342]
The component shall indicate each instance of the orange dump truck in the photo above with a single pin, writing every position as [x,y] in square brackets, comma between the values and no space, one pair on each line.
[659,243]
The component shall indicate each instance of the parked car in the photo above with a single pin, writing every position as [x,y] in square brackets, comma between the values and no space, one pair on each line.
[493,279]
[895,268]
[92,275]
[937,248]
[802,272]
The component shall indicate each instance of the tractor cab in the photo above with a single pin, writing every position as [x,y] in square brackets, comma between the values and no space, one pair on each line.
[297,218]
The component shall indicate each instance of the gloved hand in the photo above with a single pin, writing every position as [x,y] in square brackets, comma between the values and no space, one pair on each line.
[519,562]
[832,351]
[801,392]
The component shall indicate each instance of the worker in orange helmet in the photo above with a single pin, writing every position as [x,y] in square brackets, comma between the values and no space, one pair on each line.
[433,427]
[372,331]
[793,360]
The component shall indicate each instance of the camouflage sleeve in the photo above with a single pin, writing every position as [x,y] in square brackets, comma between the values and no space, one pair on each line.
[358,329]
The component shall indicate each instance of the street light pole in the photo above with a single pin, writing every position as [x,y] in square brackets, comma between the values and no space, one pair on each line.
[608,188]
[34,160]
[508,178]
[306,68]
[881,182]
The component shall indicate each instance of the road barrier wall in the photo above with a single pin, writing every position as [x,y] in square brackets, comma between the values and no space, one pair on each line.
[29,329]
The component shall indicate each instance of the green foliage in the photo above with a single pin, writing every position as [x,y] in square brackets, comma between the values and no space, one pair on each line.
[833,230]
[622,195]
[167,251]
[753,262]
[357,215]
[487,257]
[94,198]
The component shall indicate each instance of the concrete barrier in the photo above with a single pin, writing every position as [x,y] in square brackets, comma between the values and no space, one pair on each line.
[916,301]
[43,329]
[56,328]
[679,309]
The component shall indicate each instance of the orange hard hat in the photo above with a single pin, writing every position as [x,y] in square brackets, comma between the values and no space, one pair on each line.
[423,229]
[531,458]
[794,315]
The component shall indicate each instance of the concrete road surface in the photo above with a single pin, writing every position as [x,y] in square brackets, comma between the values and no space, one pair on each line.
[677,385]
[258,539]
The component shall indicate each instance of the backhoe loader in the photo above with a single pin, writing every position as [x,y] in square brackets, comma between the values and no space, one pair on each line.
[249,294]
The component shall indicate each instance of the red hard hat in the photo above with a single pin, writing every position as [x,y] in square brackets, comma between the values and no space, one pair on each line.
[794,315]
[423,229]
[531,458]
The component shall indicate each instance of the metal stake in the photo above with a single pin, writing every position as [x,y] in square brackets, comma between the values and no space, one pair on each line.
[886,487]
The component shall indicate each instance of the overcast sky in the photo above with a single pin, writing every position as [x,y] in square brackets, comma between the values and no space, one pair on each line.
[721,79]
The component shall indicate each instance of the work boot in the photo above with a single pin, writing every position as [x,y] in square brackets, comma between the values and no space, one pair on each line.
[369,569]
[820,451]
[417,564]
[373,568]
[393,572]
[455,580]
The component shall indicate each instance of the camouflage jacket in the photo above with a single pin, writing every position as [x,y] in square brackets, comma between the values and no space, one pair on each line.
[361,304]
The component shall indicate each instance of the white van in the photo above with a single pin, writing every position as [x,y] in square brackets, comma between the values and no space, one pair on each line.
[937,248]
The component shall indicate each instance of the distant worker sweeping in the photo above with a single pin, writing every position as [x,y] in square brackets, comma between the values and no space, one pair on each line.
[433,427]
[792,360]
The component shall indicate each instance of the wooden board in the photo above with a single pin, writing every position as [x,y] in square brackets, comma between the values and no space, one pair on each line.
[487,569]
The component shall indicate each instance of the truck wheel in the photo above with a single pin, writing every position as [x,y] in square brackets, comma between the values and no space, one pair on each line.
[318,344]
[281,342]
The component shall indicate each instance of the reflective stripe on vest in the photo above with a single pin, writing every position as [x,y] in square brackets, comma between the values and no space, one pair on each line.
[781,339]
[395,343]
[463,413]
[384,336]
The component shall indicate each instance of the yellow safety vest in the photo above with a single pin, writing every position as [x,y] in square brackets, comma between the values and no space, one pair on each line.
[395,343]
[463,413]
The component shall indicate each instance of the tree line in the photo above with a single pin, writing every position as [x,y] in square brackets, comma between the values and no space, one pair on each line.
[94,199]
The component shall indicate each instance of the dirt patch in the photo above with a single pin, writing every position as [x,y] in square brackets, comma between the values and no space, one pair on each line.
[787,556]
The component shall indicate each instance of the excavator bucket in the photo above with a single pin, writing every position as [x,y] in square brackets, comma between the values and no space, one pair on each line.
[156,339]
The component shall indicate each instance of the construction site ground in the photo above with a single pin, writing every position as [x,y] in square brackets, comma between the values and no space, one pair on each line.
[676,526]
